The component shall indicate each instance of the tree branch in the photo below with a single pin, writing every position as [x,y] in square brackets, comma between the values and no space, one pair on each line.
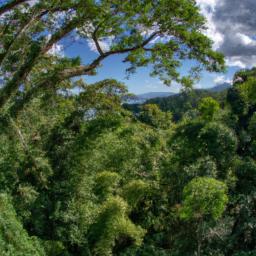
[72,72]
[20,136]
[85,70]
[35,52]
[21,31]
[59,35]
[144,43]
[94,38]
[10,5]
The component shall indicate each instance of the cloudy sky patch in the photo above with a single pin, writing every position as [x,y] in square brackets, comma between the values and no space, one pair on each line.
[232,27]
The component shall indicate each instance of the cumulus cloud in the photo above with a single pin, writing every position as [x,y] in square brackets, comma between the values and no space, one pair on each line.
[57,50]
[208,9]
[231,24]
[221,80]
[232,27]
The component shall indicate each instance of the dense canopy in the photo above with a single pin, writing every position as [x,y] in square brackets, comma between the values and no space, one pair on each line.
[82,175]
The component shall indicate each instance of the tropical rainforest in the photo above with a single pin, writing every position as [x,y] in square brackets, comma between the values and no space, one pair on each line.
[82,175]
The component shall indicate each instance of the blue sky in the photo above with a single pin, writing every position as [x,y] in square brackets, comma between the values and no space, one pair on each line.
[231,26]
[141,81]
[227,27]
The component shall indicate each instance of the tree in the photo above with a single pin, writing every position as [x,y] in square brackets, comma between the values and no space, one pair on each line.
[83,176]
[205,199]
[146,32]
[220,142]
[14,239]
[208,107]
[152,115]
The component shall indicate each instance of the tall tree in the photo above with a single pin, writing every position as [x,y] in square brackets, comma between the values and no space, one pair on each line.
[161,33]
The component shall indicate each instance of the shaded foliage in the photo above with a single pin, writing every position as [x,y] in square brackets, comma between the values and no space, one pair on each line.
[81,175]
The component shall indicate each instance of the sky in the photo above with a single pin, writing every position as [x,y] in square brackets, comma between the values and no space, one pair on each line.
[231,25]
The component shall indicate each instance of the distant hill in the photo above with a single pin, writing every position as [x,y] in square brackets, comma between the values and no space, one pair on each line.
[151,95]
[141,98]
[220,87]
[180,103]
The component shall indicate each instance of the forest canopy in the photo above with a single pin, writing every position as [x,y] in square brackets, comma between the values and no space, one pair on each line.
[82,175]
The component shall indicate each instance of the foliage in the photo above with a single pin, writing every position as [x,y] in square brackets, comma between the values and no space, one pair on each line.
[204,198]
[181,104]
[14,239]
[81,175]
[30,31]
[208,107]
[114,224]
[152,115]
[134,191]
[106,183]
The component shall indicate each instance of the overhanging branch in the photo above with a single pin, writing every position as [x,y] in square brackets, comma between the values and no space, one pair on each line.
[85,70]
[10,5]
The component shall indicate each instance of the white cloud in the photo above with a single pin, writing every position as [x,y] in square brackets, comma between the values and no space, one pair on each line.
[241,61]
[57,50]
[221,80]
[231,26]
[207,9]
[105,44]
[246,40]
[159,86]
[33,2]
[207,2]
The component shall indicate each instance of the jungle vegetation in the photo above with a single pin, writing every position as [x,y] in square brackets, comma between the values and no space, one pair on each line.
[82,175]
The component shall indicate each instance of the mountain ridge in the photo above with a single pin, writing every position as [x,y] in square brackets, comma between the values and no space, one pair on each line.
[142,98]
